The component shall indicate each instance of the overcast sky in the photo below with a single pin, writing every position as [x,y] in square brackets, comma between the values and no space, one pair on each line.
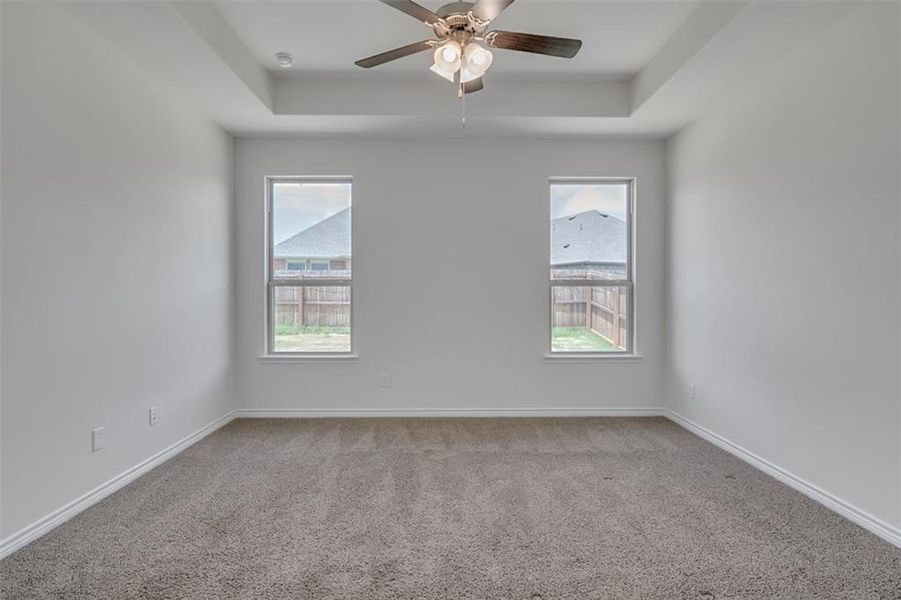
[296,205]
[570,199]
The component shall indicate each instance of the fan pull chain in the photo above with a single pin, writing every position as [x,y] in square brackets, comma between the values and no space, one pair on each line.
[462,96]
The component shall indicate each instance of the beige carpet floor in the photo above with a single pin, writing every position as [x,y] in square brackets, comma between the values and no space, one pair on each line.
[455,508]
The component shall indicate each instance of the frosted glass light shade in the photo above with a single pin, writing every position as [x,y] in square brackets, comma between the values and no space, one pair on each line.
[466,75]
[449,75]
[476,59]
[447,57]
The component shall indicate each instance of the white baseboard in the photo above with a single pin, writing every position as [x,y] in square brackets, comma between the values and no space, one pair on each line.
[854,514]
[309,413]
[59,516]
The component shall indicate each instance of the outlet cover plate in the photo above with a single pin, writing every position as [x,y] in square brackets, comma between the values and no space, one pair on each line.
[97,439]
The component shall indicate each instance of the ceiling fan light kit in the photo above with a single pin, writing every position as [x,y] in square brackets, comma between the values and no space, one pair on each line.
[460,28]
[472,61]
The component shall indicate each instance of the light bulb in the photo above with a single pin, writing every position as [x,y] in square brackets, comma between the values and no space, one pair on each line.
[476,59]
[449,54]
[447,57]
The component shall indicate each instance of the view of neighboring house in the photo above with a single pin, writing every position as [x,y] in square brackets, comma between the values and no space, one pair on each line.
[324,246]
[323,249]
[589,242]
[590,245]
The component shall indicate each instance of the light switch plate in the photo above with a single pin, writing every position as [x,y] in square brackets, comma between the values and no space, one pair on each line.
[97,439]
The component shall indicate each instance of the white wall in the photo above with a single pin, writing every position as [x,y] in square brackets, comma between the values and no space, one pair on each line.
[783,264]
[116,242]
[450,266]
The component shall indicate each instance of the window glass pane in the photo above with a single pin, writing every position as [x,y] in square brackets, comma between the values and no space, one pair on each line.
[589,230]
[311,318]
[311,222]
[589,319]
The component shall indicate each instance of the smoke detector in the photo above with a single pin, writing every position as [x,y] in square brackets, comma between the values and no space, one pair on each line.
[284,60]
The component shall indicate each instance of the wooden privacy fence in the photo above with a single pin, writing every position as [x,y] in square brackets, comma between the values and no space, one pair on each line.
[604,310]
[312,306]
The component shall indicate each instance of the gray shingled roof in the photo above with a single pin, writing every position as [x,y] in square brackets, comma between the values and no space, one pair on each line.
[590,237]
[329,238]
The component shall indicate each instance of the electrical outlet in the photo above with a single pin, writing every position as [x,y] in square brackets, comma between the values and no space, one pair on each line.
[97,439]
[152,415]
[691,391]
[385,380]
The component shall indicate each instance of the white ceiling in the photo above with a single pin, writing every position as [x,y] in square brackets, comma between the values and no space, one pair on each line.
[619,37]
[647,68]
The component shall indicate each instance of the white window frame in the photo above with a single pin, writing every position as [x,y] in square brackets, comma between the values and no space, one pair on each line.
[272,281]
[629,283]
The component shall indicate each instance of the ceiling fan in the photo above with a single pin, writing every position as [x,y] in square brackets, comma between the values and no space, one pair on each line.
[460,36]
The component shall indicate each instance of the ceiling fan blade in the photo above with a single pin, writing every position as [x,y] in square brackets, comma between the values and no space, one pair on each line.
[488,10]
[537,44]
[390,55]
[414,10]
[473,86]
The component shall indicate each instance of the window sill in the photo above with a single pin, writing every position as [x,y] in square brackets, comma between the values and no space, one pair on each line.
[308,358]
[591,358]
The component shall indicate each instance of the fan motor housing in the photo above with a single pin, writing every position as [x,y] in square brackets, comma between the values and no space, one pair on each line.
[454,8]
[456,22]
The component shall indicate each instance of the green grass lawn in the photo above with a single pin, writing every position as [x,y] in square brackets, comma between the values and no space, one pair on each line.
[293,338]
[579,339]
[310,330]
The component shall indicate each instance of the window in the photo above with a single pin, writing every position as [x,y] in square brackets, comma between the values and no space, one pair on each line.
[591,291]
[309,282]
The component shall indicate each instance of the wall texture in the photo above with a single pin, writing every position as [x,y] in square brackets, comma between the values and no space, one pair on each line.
[116,259]
[451,260]
[783,264]
[121,260]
